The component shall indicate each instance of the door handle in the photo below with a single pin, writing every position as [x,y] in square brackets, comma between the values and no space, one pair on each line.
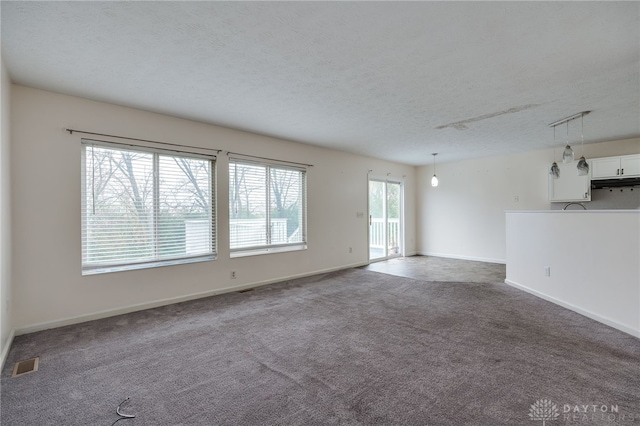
[618,172]
[369,220]
[621,171]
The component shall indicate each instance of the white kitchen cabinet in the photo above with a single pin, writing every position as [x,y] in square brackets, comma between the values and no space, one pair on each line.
[602,168]
[615,167]
[630,165]
[569,186]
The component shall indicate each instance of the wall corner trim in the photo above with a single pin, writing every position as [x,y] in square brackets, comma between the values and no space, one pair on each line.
[6,348]
[454,256]
[157,303]
[584,312]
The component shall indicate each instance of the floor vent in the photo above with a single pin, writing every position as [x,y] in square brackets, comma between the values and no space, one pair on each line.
[26,366]
[246,290]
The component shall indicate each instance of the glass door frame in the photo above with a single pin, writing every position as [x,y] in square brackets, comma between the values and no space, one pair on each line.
[386,180]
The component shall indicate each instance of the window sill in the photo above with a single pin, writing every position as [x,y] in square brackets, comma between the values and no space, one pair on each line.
[146,265]
[268,250]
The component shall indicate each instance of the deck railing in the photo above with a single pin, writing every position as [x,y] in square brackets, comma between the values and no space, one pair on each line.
[242,232]
[377,233]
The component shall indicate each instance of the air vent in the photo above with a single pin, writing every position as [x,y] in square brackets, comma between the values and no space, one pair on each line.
[26,366]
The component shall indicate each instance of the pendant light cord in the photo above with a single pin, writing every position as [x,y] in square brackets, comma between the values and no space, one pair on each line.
[582,133]
[553,159]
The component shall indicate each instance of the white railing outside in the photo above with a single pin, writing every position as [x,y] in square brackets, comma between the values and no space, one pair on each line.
[197,236]
[295,237]
[377,234]
[253,232]
[243,232]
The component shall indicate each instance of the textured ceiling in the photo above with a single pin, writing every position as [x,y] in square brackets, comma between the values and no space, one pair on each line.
[396,80]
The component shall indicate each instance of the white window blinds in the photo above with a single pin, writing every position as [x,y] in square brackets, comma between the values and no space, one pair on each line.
[267,207]
[143,207]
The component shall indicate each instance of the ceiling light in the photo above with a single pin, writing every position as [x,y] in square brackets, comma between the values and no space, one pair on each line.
[567,155]
[434,179]
[583,166]
[554,170]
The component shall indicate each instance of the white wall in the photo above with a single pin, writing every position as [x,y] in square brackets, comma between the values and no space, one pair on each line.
[49,289]
[463,217]
[593,258]
[5,216]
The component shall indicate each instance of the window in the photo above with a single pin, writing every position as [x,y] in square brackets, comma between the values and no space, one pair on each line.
[267,208]
[143,207]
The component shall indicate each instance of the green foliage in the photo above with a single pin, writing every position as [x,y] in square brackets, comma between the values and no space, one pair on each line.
[377,199]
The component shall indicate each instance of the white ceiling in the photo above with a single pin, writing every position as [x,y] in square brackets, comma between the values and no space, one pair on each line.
[394,80]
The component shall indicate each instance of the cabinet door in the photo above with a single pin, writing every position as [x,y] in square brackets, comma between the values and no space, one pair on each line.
[603,168]
[569,186]
[630,165]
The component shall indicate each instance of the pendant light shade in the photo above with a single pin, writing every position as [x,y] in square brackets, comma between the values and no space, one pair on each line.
[583,167]
[434,179]
[567,155]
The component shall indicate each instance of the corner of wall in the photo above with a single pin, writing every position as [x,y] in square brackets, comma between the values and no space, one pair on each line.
[6,326]
[5,348]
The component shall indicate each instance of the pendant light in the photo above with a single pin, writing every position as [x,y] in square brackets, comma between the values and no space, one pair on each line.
[567,155]
[583,166]
[434,179]
[554,170]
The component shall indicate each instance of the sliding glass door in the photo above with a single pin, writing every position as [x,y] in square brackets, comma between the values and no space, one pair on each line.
[385,219]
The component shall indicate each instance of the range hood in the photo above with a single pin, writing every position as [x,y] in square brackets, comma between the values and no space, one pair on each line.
[615,183]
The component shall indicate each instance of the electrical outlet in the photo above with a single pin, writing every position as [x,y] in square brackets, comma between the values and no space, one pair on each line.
[233,275]
[516,198]
[350,249]
[547,271]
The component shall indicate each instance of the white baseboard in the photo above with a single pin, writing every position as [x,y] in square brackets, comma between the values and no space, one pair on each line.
[157,303]
[6,347]
[585,312]
[455,256]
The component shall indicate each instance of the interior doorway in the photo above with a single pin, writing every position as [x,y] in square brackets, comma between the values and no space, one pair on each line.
[385,219]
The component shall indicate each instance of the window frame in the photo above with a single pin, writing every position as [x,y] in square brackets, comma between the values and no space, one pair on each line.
[92,269]
[270,248]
